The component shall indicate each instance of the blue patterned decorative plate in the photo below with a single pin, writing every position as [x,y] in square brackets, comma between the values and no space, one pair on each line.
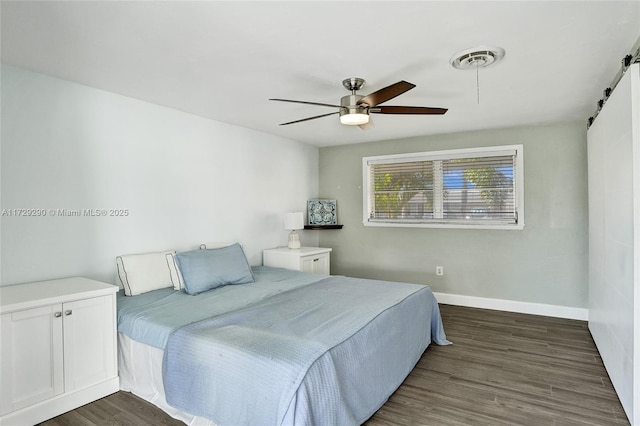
[322,212]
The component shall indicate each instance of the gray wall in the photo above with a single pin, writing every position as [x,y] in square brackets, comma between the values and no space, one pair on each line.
[544,263]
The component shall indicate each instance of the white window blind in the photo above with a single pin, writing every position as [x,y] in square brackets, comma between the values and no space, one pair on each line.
[458,187]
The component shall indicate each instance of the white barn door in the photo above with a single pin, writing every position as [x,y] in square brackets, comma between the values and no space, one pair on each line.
[614,238]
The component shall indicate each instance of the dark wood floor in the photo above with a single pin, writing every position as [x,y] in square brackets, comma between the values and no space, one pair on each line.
[506,368]
[503,369]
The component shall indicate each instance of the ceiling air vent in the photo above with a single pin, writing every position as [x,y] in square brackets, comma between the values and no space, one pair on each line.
[478,57]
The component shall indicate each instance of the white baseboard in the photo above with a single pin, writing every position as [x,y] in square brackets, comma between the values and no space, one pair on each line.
[514,306]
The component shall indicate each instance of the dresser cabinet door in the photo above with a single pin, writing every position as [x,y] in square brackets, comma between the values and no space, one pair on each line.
[32,356]
[89,342]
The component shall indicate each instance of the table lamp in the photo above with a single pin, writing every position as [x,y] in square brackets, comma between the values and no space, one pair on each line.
[293,222]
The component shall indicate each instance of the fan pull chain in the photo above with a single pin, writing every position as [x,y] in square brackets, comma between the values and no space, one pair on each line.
[478,82]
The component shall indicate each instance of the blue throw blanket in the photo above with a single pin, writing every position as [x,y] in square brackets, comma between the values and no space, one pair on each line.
[151,317]
[327,353]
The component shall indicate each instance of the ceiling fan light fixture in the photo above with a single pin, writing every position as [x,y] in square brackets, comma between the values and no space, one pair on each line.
[352,114]
[354,118]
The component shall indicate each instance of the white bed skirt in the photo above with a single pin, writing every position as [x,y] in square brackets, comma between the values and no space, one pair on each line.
[145,379]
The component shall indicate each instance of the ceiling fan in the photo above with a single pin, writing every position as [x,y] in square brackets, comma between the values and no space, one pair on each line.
[354,109]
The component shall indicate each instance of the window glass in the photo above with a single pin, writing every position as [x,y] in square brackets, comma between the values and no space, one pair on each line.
[457,188]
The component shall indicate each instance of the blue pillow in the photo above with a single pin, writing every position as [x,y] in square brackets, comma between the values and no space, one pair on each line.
[203,270]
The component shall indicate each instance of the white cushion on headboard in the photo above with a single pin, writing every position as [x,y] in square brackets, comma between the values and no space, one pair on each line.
[176,275]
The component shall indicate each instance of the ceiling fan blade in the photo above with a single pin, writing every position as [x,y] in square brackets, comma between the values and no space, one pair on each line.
[368,125]
[306,102]
[386,93]
[407,110]
[310,118]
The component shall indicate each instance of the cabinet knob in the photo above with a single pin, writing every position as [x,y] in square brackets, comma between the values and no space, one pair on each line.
[69,312]
[315,260]
[57,314]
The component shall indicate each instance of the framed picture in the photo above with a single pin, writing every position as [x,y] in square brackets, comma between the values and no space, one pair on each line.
[322,212]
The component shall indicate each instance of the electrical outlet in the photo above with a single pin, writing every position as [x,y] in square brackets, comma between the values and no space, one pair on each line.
[439,270]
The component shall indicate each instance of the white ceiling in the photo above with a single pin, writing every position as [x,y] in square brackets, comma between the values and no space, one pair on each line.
[223,60]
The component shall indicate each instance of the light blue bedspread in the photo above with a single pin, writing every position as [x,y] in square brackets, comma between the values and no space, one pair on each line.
[150,318]
[329,353]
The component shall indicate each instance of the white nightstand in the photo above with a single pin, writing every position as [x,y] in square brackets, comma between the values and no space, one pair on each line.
[306,259]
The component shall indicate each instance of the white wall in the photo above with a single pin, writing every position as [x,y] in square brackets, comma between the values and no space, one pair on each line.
[614,239]
[184,180]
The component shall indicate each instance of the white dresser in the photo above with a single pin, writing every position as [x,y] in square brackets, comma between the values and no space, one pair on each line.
[59,347]
[307,259]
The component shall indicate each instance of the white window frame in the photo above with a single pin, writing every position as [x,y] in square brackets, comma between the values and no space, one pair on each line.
[447,155]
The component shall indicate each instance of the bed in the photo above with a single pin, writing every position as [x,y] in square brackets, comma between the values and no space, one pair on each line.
[287,348]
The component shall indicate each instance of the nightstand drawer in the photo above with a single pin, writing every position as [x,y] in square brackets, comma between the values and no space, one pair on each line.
[316,264]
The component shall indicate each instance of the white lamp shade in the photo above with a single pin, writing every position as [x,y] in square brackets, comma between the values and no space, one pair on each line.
[294,221]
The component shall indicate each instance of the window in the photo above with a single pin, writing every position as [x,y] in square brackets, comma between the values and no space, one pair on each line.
[462,188]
